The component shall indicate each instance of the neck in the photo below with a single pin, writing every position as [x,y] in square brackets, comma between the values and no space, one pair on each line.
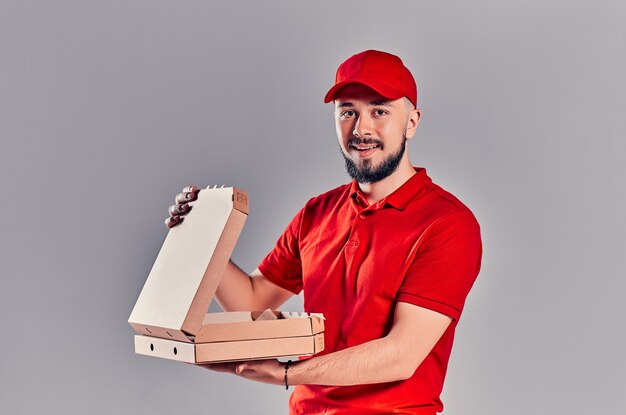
[383,188]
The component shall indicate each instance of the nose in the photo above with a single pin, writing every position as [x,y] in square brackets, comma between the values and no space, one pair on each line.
[363,126]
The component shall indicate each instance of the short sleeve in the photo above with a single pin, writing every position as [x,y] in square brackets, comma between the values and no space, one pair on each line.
[283,265]
[445,266]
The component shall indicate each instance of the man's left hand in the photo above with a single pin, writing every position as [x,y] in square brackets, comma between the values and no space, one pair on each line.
[266,371]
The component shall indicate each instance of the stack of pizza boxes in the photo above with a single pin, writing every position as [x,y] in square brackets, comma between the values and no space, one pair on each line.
[170,315]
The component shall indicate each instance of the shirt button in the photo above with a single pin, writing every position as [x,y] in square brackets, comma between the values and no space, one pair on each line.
[362,216]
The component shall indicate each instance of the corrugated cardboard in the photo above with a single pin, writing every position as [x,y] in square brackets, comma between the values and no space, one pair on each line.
[228,351]
[283,327]
[170,313]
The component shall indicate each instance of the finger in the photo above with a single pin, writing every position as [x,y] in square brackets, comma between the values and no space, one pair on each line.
[173,221]
[182,198]
[220,367]
[173,210]
[190,189]
[240,368]
[176,210]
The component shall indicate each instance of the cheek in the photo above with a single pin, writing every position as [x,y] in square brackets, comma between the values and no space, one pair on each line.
[393,130]
[343,132]
[338,130]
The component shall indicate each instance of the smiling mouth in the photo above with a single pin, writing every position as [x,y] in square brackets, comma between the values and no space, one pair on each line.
[362,147]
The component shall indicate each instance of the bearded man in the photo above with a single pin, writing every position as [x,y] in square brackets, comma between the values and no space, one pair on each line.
[389,258]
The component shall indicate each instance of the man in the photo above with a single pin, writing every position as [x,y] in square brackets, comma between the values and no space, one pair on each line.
[389,259]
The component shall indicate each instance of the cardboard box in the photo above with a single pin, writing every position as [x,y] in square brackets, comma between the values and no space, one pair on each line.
[170,315]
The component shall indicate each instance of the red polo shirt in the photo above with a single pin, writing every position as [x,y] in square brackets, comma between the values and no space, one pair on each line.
[355,261]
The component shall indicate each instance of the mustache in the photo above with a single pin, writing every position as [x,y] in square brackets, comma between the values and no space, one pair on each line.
[355,141]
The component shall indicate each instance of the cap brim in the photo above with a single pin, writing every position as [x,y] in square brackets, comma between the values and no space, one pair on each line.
[384,90]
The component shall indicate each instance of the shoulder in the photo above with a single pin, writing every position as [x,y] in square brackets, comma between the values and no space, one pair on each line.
[446,204]
[434,211]
[329,199]
[318,207]
[450,215]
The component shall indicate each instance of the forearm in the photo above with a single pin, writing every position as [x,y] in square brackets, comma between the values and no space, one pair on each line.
[235,290]
[414,333]
[239,291]
[377,361]
[392,358]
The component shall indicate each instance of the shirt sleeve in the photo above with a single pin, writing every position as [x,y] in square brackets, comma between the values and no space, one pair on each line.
[445,266]
[283,265]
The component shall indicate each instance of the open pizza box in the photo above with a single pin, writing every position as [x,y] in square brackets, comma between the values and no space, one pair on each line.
[170,315]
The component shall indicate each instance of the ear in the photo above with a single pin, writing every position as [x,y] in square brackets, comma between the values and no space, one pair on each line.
[415,115]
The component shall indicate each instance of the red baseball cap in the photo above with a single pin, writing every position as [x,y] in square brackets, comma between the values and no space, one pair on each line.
[383,72]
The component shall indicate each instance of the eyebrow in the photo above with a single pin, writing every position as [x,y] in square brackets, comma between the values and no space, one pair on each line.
[371,103]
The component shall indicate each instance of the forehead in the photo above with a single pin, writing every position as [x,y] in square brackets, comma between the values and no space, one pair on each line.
[358,93]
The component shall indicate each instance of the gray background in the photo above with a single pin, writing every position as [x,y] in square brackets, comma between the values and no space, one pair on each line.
[108,108]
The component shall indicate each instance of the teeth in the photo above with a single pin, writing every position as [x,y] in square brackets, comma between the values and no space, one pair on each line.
[366,148]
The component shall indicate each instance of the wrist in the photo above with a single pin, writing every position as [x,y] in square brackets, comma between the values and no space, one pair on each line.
[285,375]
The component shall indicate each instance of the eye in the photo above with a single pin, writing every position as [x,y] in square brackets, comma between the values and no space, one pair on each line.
[347,114]
[379,112]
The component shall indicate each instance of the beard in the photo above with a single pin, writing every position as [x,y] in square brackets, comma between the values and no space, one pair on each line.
[368,173]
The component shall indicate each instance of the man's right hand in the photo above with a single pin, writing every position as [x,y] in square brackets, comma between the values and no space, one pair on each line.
[181,208]
[237,290]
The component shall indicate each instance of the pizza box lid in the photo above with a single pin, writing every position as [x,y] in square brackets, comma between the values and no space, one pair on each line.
[189,266]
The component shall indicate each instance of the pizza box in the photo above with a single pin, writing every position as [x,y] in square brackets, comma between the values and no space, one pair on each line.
[170,315]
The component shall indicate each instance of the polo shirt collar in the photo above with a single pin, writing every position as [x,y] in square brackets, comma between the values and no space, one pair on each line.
[401,197]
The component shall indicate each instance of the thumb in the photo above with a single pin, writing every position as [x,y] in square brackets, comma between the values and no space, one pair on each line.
[240,368]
